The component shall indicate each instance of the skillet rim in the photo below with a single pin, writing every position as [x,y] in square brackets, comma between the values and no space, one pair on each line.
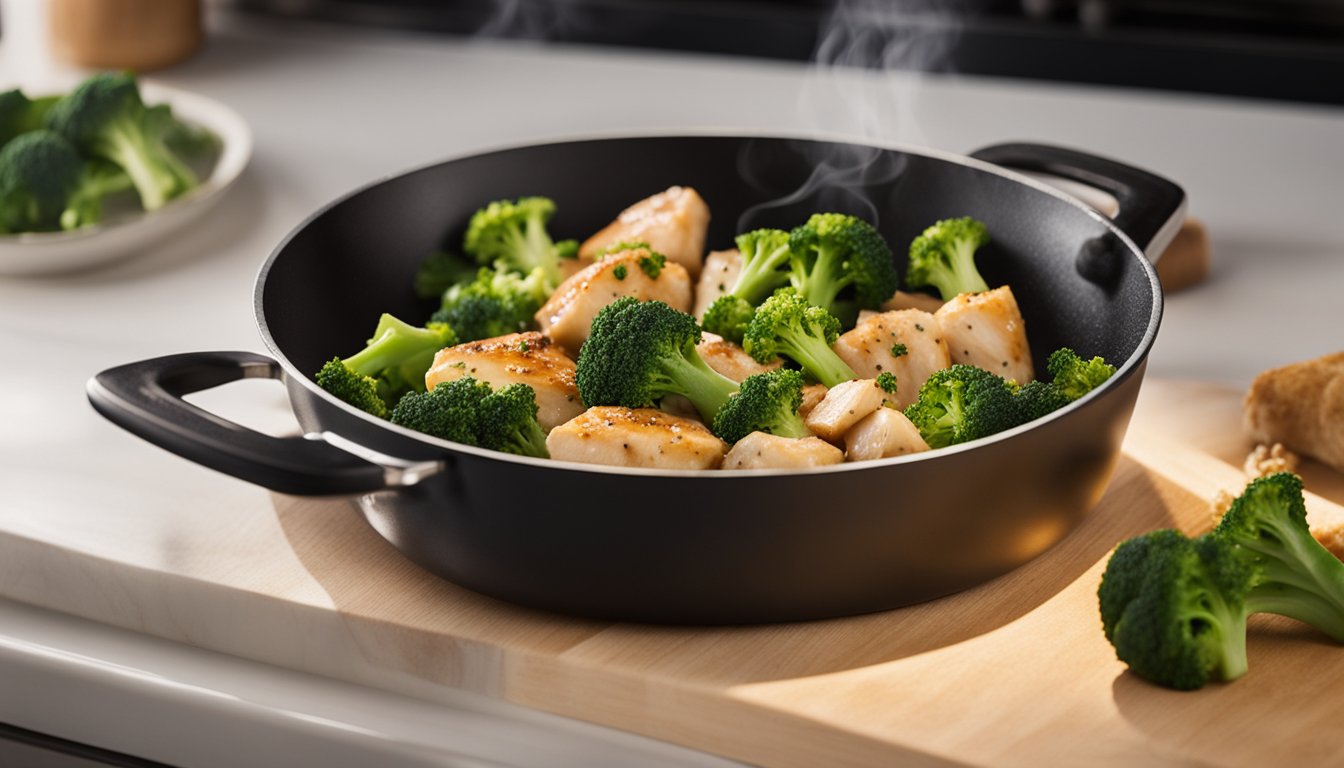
[1137,359]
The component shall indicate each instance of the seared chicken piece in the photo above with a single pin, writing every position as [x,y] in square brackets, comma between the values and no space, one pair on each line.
[844,405]
[813,394]
[673,223]
[729,359]
[881,434]
[986,330]
[635,437]
[1302,406]
[903,300]
[868,349]
[527,358]
[568,314]
[761,450]
[717,278]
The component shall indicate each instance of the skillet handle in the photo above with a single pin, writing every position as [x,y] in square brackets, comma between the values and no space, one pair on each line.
[145,399]
[1151,207]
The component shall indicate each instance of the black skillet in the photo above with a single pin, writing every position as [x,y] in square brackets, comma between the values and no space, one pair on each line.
[692,547]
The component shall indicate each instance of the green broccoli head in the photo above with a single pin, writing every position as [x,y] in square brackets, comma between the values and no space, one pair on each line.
[1175,608]
[105,117]
[441,271]
[399,354]
[354,388]
[729,317]
[765,402]
[787,325]
[833,252]
[39,171]
[20,114]
[944,257]
[886,381]
[1075,377]
[1298,576]
[514,232]
[1037,398]
[451,411]
[962,403]
[497,302]
[508,422]
[765,264]
[639,352]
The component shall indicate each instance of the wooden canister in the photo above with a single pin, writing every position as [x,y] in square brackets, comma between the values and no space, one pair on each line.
[124,34]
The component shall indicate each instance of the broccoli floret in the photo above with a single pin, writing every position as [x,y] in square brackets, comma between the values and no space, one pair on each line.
[765,402]
[962,403]
[497,302]
[184,139]
[19,114]
[886,381]
[105,117]
[1075,377]
[833,252]
[397,357]
[356,389]
[765,262]
[639,352]
[1175,608]
[1298,577]
[451,411]
[508,422]
[944,257]
[1037,398]
[785,324]
[514,232]
[39,171]
[442,270]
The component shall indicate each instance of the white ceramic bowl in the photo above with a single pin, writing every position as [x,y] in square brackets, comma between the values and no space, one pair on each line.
[125,235]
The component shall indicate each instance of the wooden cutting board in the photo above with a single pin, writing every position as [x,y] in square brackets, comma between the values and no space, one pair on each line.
[1015,672]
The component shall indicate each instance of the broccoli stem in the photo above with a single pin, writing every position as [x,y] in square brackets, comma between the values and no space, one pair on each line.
[761,274]
[791,425]
[125,146]
[539,248]
[821,285]
[961,276]
[816,357]
[1299,604]
[528,440]
[706,388]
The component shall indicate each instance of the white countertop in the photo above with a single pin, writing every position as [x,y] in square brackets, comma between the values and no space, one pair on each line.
[333,108]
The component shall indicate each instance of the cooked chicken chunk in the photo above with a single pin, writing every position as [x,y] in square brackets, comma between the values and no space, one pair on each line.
[717,278]
[1302,406]
[672,222]
[761,450]
[881,434]
[527,358]
[729,359]
[635,437]
[868,349]
[986,330]
[568,314]
[903,300]
[844,405]
[813,394]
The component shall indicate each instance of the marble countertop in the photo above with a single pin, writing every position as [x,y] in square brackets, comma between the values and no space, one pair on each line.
[334,108]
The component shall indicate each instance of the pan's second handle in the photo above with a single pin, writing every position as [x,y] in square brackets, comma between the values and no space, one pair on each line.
[145,398]
[1151,207]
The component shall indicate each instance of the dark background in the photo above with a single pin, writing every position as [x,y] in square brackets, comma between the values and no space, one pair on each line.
[1271,49]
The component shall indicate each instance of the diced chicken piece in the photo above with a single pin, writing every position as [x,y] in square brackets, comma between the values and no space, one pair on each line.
[844,405]
[673,223]
[527,358]
[568,314]
[986,330]
[761,450]
[903,300]
[868,350]
[729,359]
[717,278]
[883,433]
[635,437]
[813,394]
